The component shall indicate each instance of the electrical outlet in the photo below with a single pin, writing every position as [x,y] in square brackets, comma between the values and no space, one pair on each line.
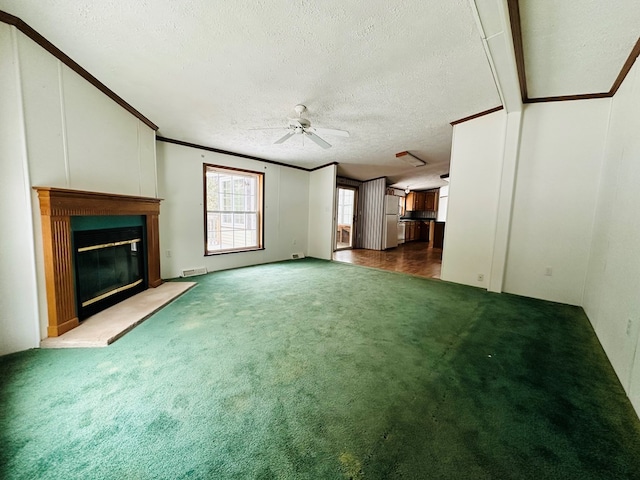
[168,253]
[548,271]
[481,277]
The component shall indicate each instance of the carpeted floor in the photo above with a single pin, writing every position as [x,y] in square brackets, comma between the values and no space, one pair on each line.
[317,370]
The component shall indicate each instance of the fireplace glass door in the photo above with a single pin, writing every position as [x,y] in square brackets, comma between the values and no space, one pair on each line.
[109,267]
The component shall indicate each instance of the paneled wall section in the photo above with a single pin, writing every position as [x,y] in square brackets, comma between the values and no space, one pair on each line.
[371,214]
[64,133]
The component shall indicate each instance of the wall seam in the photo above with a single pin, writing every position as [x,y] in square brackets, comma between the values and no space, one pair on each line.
[27,182]
[155,164]
[139,158]
[63,119]
[595,210]
[489,281]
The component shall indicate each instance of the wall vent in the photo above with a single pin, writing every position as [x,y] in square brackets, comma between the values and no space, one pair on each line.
[192,272]
[297,255]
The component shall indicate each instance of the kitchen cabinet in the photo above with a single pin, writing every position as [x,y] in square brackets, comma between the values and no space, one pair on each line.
[438,235]
[425,229]
[431,201]
[416,230]
[410,202]
[409,231]
[414,201]
[421,230]
[421,201]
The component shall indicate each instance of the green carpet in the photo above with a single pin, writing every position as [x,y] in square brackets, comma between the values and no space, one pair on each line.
[317,370]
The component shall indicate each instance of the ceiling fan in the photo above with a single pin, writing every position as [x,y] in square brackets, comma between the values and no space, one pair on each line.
[302,126]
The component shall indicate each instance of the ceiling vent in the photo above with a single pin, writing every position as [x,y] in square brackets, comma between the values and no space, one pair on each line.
[411,159]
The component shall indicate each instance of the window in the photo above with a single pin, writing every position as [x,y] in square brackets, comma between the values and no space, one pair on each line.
[345,206]
[233,210]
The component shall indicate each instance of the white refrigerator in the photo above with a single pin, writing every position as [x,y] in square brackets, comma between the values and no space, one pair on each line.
[390,222]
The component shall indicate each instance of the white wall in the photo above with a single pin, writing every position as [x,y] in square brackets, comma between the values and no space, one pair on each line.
[74,137]
[559,166]
[77,137]
[18,301]
[612,292]
[443,202]
[180,183]
[475,172]
[322,194]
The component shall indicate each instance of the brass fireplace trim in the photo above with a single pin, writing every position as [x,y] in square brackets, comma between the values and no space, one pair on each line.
[57,206]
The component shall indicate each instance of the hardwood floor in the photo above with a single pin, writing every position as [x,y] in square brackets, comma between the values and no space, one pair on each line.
[415,258]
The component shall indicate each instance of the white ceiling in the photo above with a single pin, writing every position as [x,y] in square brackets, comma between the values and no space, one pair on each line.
[576,47]
[392,73]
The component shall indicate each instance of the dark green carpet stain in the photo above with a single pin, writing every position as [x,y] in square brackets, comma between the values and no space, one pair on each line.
[316,370]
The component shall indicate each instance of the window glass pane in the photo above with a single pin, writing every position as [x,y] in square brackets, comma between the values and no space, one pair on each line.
[233,205]
[348,196]
[227,202]
[252,220]
[251,203]
[238,203]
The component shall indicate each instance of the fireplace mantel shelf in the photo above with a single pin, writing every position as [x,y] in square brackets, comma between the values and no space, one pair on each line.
[57,206]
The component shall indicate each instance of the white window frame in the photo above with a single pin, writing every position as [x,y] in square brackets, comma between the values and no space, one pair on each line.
[225,229]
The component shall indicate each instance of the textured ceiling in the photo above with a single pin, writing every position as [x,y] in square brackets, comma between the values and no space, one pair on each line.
[576,47]
[393,74]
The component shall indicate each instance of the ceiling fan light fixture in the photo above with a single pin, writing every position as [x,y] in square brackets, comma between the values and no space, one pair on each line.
[411,159]
[302,126]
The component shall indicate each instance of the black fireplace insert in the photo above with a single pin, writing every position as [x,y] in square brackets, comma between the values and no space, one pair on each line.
[109,267]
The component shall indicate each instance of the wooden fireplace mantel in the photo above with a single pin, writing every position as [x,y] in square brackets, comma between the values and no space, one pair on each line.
[57,206]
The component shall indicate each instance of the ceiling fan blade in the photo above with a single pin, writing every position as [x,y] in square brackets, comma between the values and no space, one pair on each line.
[317,139]
[285,138]
[332,131]
[268,128]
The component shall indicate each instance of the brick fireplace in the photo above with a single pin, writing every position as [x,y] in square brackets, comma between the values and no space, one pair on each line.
[57,206]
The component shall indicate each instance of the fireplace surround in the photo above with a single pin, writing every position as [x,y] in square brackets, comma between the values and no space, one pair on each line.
[57,206]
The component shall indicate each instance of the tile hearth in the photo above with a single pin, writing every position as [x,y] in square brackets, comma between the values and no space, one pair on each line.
[107,326]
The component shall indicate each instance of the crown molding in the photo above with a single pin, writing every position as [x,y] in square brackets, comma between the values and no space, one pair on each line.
[73,65]
[516,32]
[476,115]
[240,155]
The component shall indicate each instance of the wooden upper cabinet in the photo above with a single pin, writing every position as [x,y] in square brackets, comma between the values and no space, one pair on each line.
[415,201]
[431,201]
[410,202]
[421,201]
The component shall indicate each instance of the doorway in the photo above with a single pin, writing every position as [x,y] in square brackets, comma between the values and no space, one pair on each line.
[345,221]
